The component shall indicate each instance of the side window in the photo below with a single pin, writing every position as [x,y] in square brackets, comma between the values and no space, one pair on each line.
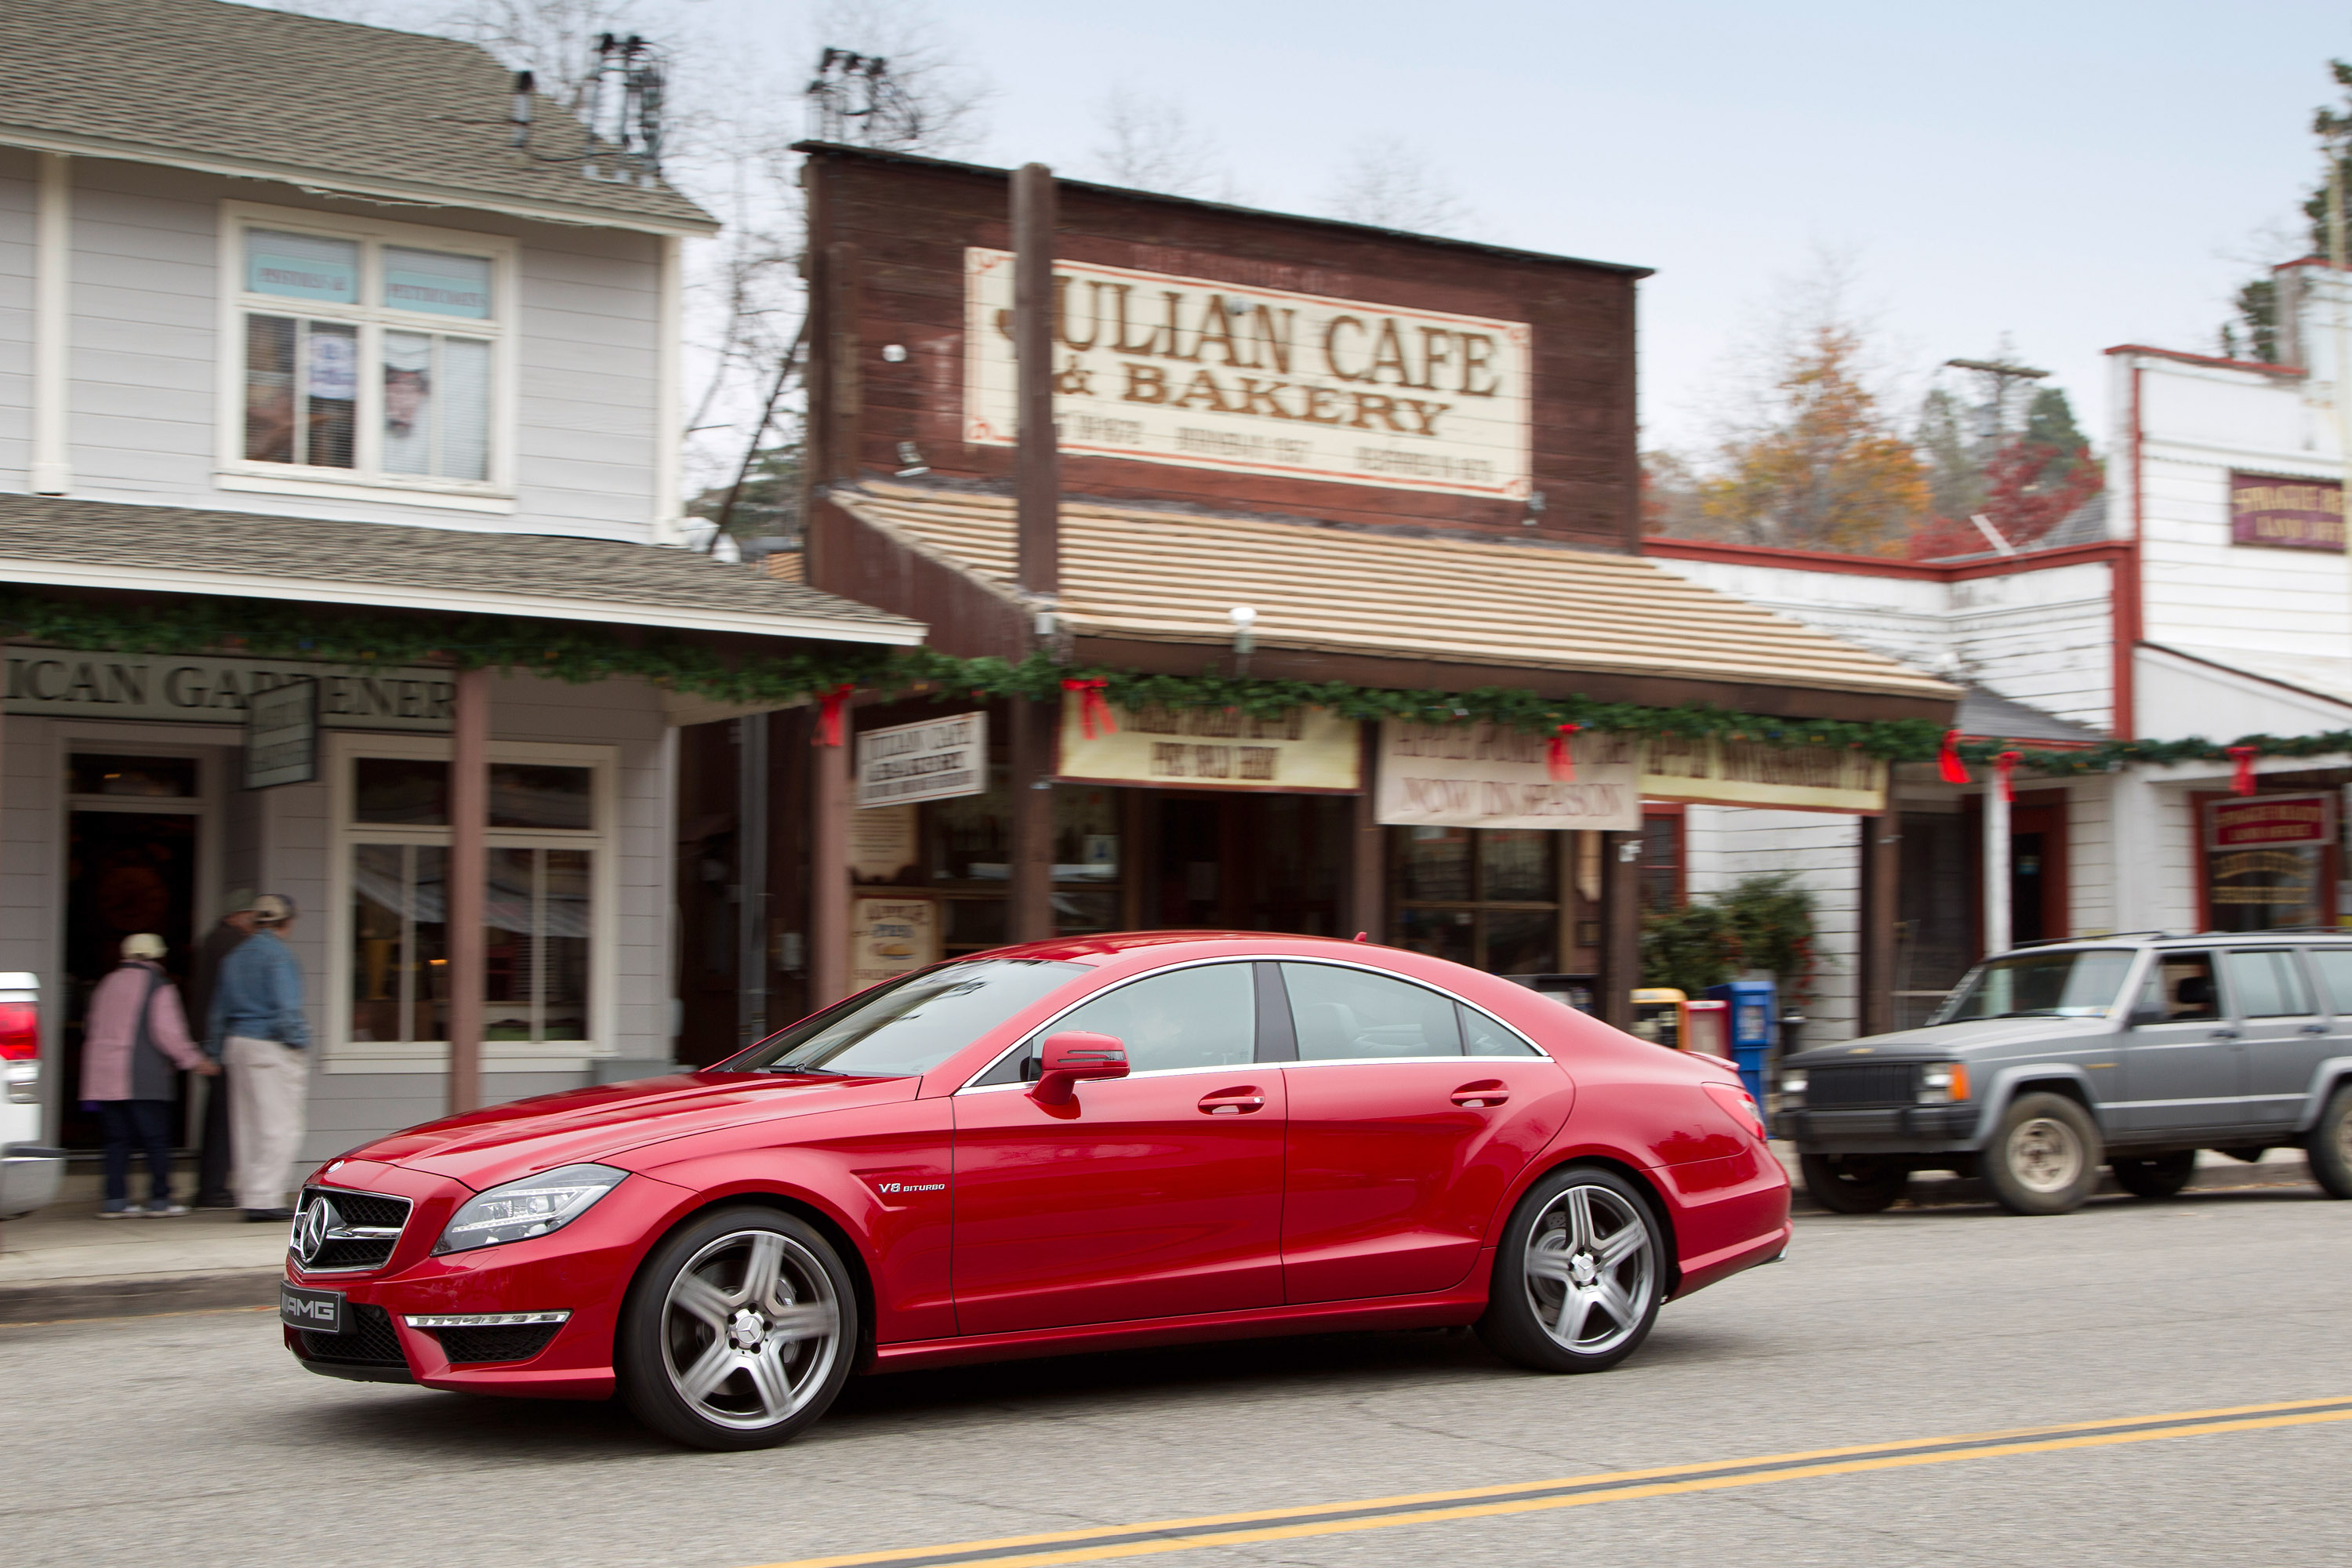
[2180,987]
[1202,1017]
[2266,984]
[2334,966]
[1482,1036]
[1342,1014]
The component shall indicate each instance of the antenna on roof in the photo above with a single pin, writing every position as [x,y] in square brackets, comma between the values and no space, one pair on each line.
[624,111]
[853,99]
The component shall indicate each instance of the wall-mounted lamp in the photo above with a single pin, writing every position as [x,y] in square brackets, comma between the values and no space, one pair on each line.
[894,353]
[1245,620]
[911,458]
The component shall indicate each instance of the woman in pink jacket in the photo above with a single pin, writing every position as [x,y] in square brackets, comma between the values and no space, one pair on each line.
[135,1033]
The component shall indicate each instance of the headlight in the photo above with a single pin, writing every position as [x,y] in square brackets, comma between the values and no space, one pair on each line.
[531,1207]
[1943,1083]
[1793,1085]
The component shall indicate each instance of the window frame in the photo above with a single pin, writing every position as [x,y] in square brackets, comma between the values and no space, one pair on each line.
[1559,907]
[339,1052]
[365,480]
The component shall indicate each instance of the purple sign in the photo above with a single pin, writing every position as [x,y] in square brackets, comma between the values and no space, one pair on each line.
[2293,514]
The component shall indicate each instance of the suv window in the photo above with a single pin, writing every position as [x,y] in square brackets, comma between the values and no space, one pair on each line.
[1343,1014]
[2265,983]
[1202,1017]
[2181,988]
[2334,966]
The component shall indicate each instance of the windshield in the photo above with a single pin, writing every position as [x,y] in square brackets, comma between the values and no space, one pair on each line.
[2075,983]
[910,1025]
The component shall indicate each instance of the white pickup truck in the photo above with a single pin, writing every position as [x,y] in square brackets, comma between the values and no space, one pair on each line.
[29,1170]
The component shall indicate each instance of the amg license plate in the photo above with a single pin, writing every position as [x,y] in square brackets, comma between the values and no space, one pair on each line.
[321,1311]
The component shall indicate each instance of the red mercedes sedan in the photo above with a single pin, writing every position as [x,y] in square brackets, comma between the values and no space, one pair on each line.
[1076,1145]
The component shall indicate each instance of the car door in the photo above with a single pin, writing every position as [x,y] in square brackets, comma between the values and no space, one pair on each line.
[2282,1039]
[1409,1115]
[2183,1064]
[1155,1196]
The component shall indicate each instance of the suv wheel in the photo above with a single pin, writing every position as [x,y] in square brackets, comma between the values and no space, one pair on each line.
[1855,1184]
[2329,1144]
[2045,1157]
[2154,1175]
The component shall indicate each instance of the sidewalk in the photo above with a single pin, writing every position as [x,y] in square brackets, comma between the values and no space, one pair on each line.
[66,1262]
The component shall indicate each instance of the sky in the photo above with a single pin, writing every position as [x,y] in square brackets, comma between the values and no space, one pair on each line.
[2069,175]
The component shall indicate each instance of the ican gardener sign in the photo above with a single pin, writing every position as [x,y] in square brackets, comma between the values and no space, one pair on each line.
[1218,375]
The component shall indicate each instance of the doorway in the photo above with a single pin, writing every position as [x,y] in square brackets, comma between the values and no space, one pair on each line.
[126,871]
[1247,862]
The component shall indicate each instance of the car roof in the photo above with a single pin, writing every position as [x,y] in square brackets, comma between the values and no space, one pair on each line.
[1096,949]
[2328,936]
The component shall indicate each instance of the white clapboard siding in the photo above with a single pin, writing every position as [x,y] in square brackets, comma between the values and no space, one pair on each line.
[1722,844]
[16,318]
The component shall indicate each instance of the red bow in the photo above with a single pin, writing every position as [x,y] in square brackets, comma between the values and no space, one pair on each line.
[828,716]
[1093,707]
[2006,765]
[2242,781]
[1947,761]
[1557,756]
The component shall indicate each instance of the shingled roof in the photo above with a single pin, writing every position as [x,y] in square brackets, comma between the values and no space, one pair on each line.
[235,90]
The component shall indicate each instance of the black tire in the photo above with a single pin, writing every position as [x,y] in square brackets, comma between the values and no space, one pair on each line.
[730,1363]
[2044,1158]
[2154,1175]
[1855,1184]
[2329,1144]
[1585,1248]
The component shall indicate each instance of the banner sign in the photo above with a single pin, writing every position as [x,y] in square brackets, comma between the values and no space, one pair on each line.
[282,735]
[2266,820]
[1163,369]
[1713,771]
[61,684]
[2294,514]
[1480,775]
[1306,750]
[888,937]
[937,759]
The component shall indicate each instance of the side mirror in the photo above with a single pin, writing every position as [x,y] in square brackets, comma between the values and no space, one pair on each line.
[2144,1015]
[1072,1058]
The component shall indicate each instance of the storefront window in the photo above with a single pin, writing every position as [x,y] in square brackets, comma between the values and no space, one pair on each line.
[1661,861]
[538,914]
[2264,889]
[1488,898]
[400,946]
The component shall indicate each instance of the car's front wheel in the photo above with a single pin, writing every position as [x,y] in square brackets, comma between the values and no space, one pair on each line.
[2154,1175]
[739,1332]
[2329,1144]
[2045,1159]
[1578,1277]
[1855,1184]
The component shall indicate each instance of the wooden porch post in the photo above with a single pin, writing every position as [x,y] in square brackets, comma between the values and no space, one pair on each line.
[1367,866]
[829,806]
[1621,926]
[1037,504]
[468,873]
[1880,868]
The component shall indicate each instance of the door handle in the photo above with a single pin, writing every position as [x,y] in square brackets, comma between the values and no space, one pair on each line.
[1232,1102]
[2314,1029]
[2224,1034]
[1480,1095]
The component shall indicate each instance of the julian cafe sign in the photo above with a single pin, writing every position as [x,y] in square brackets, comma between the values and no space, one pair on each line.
[61,683]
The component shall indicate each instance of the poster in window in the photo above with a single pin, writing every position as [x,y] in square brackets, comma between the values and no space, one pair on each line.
[891,937]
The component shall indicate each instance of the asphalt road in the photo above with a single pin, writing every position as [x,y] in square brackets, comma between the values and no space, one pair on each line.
[188,1441]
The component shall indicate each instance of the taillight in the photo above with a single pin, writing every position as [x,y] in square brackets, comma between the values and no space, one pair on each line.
[20,1032]
[1739,1104]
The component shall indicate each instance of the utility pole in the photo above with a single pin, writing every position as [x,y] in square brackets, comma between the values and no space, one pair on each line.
[1037,509]
[2001,372]
[2337,150]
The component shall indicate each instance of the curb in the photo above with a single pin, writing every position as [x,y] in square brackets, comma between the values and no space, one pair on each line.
[137,1295]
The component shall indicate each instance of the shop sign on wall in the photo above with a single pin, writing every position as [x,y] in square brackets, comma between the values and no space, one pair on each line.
[282,735]
[888,937]
[2266,821]
[1262,381]
[936,760]
[2292,514]
[1304,750]
[882,843]
[1714,772]
[63,684]
[1483,776]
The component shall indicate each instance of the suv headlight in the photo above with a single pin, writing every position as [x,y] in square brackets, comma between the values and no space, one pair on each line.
[1792,1087]
[531,1207]
[1943,1083]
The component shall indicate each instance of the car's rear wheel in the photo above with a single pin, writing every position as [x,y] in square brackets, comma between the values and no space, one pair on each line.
[1855,1184]
[739,1332]
[2329,1144]
[2045,1159]
[1579,1275]
[2154,1175]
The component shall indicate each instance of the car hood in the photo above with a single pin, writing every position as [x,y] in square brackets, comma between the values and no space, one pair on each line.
[1955,1039]
[483,1148]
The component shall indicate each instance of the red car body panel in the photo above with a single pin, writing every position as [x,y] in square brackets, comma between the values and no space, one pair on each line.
[1155,1209]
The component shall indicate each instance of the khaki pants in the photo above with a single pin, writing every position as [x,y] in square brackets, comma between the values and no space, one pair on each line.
[269,1101]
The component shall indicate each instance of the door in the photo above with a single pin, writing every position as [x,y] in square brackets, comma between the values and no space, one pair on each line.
[126,871]
[1155,1196]
[2184,1069]
[1409,1114]
[2286,1032]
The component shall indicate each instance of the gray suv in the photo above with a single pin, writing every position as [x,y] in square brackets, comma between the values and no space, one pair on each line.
[2045,1063]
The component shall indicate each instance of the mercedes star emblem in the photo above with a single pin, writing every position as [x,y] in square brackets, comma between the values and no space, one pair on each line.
[312,1226]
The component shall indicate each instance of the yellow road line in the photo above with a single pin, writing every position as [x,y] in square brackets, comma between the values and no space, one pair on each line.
[1114,1542]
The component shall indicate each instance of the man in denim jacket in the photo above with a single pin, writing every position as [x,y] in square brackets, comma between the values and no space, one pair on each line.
[256,1012]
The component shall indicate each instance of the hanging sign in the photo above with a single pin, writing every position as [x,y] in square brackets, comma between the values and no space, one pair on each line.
[888,937]
[1202,375]
[1484,776]
[2266,820]
[62,684]
[2294,514]
[282,735]
[1713,771]
[937,759]
[1304,750]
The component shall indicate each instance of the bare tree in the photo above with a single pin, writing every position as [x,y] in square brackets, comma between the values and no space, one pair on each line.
[1150,143]
[1386,182]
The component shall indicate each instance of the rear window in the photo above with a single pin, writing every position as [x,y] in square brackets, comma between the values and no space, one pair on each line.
[2334,966]
[2265,983]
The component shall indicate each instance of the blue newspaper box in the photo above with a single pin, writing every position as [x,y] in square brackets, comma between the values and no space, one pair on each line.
[1754,1022]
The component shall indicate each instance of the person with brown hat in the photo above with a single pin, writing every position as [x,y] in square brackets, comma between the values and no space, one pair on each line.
[213,1163]
[256,1013]
[133,1038]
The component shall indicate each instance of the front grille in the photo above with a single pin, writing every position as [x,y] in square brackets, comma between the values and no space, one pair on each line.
[368,1341]
[1859,1083]
[495,1341]
[355,1210]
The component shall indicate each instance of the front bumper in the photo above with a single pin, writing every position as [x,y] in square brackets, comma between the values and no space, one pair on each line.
[582,1269]
[1888,1129]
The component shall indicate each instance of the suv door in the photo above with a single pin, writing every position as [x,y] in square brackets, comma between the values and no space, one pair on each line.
[2284,1036]
[2182,1061]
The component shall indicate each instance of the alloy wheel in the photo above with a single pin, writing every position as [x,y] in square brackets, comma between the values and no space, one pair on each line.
[2045,1156]
[751,1329]
[1591,1270]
